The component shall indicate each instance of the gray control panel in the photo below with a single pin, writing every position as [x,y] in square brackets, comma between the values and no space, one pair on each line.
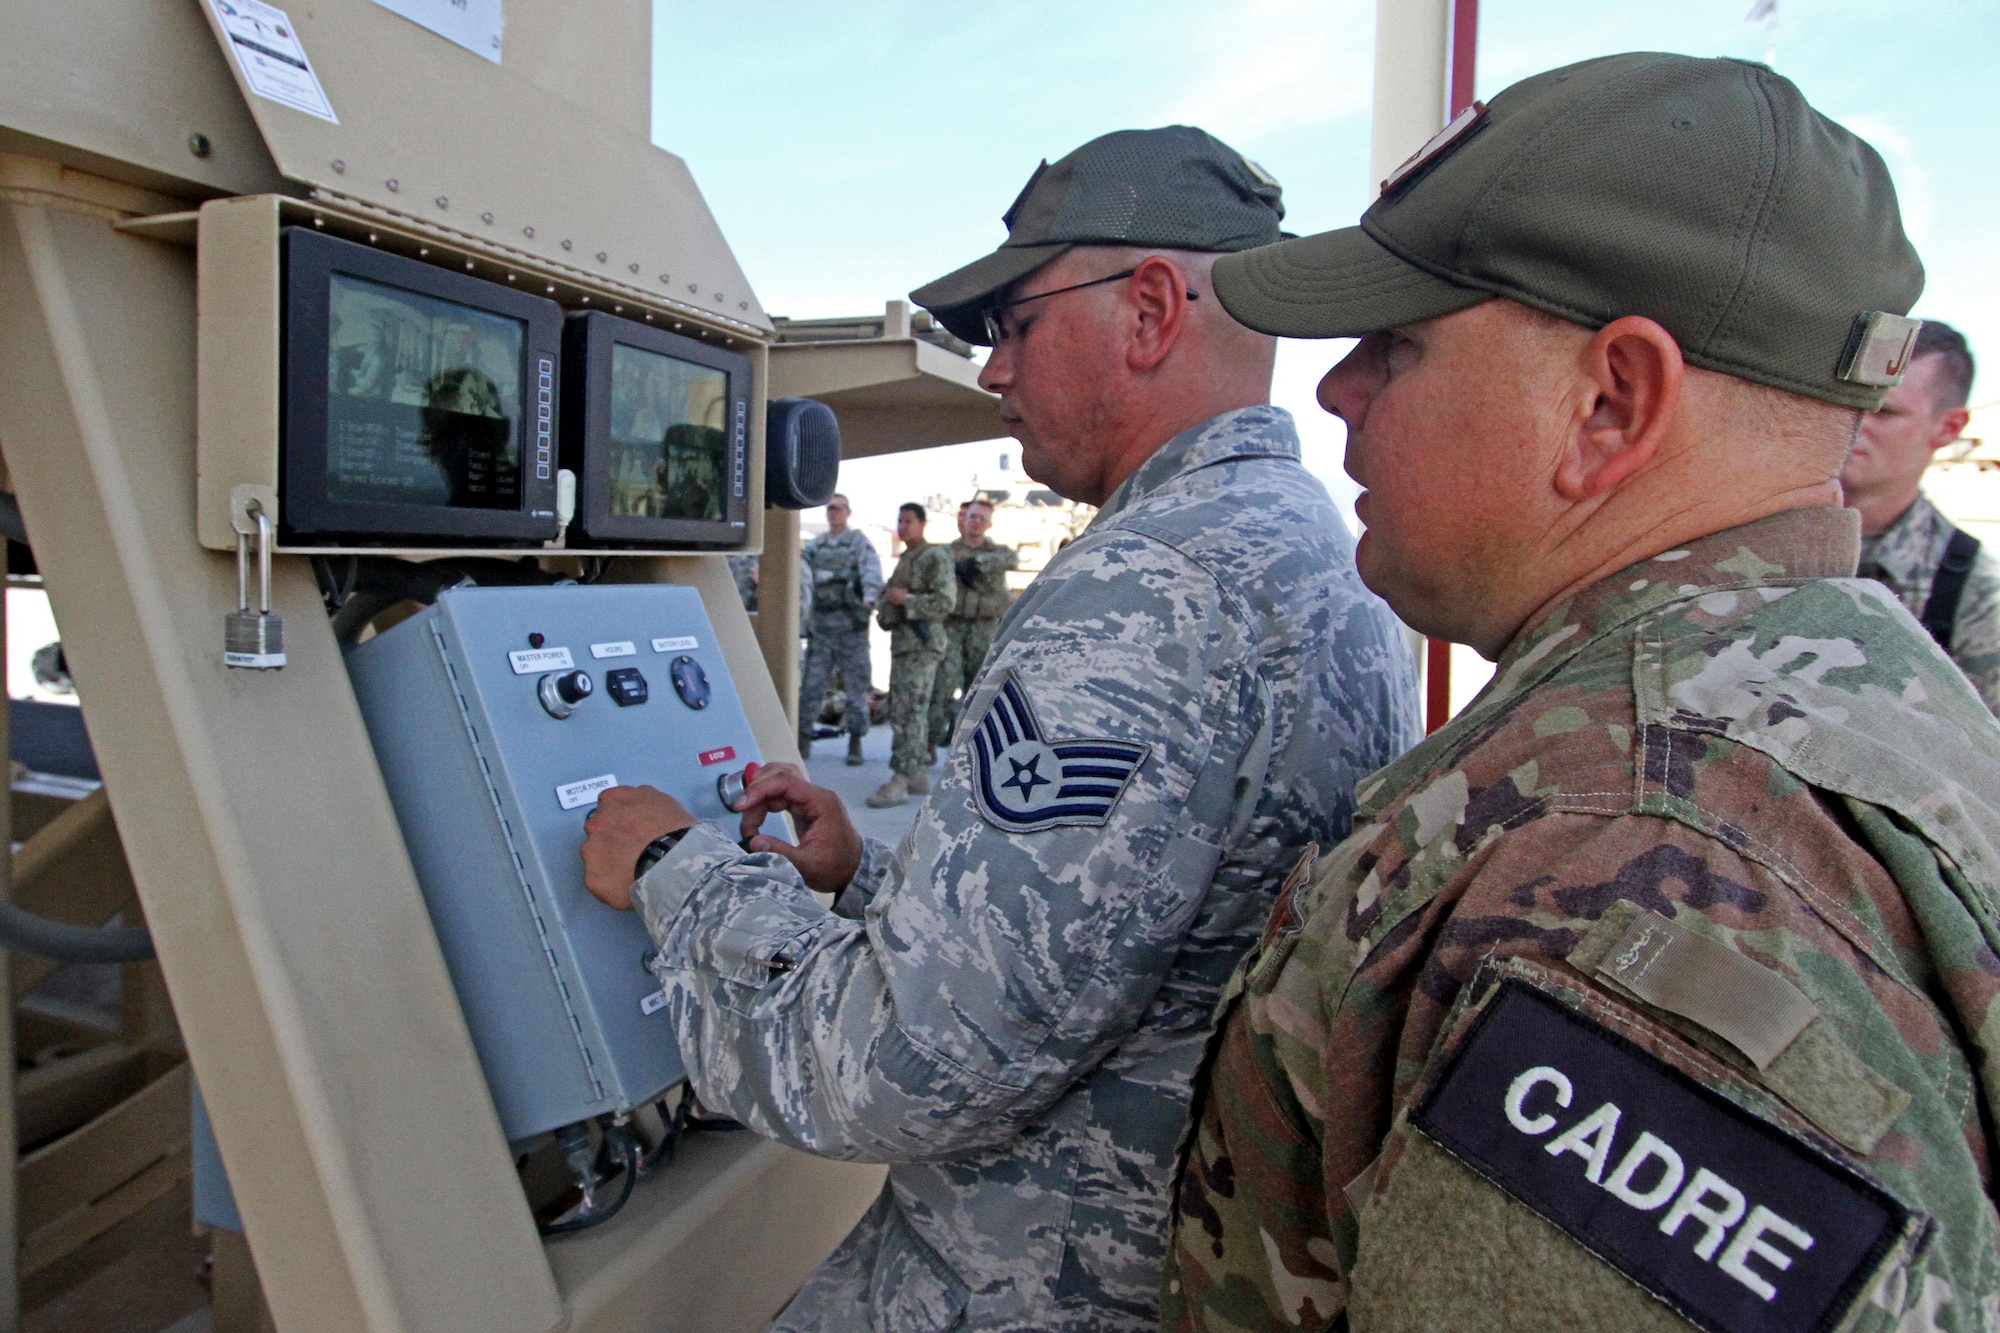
[498,715]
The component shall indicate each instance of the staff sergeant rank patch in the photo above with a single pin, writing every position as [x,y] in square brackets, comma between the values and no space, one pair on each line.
[1734,1223]
[1024,782]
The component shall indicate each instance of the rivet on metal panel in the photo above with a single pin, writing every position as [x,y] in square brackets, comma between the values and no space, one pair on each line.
[510,277]
[618,310]
[423,252]
[631,268]
[393,184]
[528,232]
[602,257]
[695,287]
[319,221]
[718,297]
[199,145]
[339,167]
[468,266]
[552,289]
[584,301]
[487,218]
[665,278]
[443,202]
[742,305]
[568,246]
[372,238]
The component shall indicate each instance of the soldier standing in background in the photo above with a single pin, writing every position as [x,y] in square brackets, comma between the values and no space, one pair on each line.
[1942,574]
[981,568]
[846,577]
[915,605]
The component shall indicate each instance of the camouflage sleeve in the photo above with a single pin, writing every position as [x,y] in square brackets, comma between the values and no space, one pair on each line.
[1003,954]
[1297,1146]
[1975,635]
[933,585]
[876,859]
[871,574]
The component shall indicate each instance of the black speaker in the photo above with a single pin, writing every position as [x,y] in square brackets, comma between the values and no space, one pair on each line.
[801,453]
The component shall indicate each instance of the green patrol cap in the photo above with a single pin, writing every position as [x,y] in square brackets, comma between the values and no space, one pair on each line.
[1704,194]
[1177,187]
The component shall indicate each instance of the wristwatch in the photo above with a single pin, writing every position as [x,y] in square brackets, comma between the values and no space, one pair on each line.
[655,851]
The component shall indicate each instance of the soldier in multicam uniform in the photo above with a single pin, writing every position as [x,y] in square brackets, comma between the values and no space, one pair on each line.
[1944,575]
[916,603]
[981,566]
[846,577]
[1008,1009]
[1657,989]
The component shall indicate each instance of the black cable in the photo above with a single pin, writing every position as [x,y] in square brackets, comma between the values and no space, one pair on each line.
[618,1139]
[60,942]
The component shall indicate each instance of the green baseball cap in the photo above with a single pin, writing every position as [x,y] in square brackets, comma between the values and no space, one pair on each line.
[1704,194]
[1177,187]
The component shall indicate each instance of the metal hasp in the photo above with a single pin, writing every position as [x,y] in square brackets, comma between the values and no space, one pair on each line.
[492,786]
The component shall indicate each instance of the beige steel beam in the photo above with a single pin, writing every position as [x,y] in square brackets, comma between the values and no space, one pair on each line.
[349,1106]
[1412,66]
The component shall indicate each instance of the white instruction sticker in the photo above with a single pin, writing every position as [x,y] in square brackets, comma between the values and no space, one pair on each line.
[272,58]
[473,24]
[679,645]
[530,660]
[623,648]
[653,1003]
[573,794]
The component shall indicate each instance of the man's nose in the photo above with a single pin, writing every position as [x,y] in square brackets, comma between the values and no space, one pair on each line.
[998,372]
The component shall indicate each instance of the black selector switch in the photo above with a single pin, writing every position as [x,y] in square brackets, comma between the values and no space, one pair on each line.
[560,694]
[690,682]
[625,686]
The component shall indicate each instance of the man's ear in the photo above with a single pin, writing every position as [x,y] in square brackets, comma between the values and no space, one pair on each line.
[1950,426]
[1156,296]
[1632,372]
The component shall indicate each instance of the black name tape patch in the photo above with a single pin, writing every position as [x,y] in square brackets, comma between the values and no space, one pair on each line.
[1728,1219]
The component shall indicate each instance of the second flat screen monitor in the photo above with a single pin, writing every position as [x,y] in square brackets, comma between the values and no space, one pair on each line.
[659,445]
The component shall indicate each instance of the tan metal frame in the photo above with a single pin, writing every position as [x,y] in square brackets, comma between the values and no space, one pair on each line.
[360,1139]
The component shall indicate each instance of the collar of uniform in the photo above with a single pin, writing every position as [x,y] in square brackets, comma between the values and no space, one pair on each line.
[1907,550]
[1246,432]
[1797,546]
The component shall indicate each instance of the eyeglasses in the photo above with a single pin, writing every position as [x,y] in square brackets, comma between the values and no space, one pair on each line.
[996,330]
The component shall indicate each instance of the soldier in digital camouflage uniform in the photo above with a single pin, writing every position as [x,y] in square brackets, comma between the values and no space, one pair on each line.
[1945,576]
[1008,1008]
[846,578]
[1658,989]
[981,566]
[917,601]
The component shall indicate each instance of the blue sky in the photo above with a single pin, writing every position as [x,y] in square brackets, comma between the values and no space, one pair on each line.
[852,152]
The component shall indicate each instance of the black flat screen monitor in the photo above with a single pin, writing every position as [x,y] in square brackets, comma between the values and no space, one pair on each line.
[419,404]
[657,434]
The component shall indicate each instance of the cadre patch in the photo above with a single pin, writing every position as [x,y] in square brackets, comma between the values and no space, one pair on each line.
[1734,1223]
[1024,782]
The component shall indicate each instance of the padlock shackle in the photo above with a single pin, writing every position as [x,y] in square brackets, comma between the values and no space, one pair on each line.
[263,558]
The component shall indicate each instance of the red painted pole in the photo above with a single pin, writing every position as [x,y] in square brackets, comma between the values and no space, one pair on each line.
[1464,60]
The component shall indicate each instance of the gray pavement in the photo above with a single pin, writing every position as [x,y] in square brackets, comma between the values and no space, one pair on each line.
[828,767]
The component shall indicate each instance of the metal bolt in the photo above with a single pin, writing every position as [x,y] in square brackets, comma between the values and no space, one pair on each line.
[199,145]
[632,268]
[528,232]
[394,185]
[443,202]
[601,256]
[339,167]
[487,218]
[568,246]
